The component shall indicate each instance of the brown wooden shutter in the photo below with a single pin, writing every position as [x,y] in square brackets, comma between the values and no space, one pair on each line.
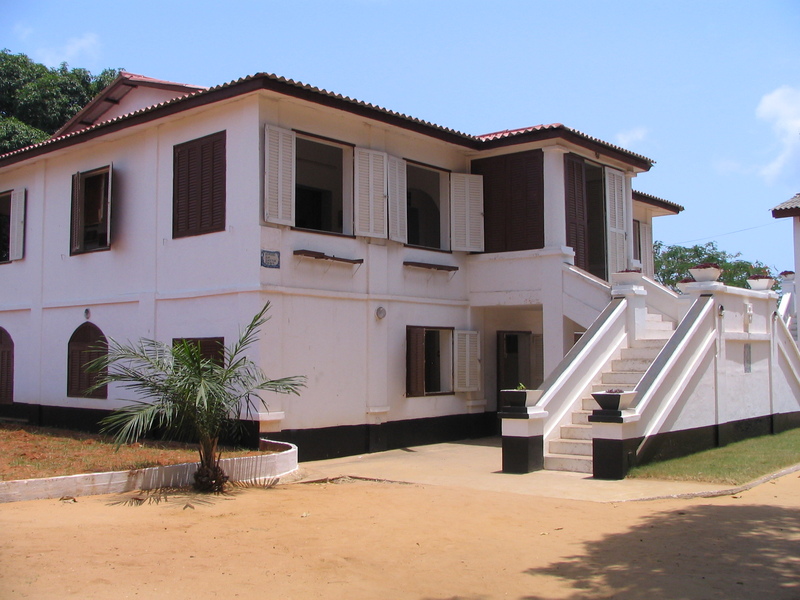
[525,228]
[76,212]
[415,361]
[199,184]
[513,201]
[85,345]
[496,210]
[211,348]
[6,368]
[576,213]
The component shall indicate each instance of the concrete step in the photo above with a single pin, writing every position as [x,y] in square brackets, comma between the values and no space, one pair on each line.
[652,316]
[570,447]
[576,432]
[621,378]
[589,404]
[581,417]
[639,365]
[650,343]
[660,325]
[560,462]
[640,353]
[656,334]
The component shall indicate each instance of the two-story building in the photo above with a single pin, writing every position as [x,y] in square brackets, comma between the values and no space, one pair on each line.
[413,270]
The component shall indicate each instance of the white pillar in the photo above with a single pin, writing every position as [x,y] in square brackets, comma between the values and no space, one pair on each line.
[796,223]
[629,218]
[555,218]
[553,317]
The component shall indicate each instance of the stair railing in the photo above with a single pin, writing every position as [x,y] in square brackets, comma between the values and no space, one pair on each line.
[582,364]
[695,338]
[785,344]
[664,300]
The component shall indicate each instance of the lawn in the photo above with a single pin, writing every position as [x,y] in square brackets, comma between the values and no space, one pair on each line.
[733,464]
[28,452]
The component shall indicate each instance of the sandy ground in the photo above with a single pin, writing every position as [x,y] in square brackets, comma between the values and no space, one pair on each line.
[358,539]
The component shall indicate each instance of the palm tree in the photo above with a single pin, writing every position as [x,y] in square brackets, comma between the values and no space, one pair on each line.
[186,394]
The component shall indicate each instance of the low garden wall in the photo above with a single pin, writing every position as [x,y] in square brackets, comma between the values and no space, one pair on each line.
[263,469]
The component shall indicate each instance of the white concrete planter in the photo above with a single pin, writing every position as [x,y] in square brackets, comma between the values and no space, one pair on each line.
[760,284]
[626,278]
[614,400]
[263,469]
[706,274]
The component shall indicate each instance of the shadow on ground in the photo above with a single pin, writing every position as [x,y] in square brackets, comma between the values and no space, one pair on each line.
[702,552]
[186,497]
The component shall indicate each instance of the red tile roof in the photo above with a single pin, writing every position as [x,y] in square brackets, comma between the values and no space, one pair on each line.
[271,82]
[656,201]
[790,208]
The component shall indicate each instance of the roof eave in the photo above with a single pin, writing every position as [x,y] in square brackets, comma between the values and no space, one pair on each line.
[780,213]
[572,136]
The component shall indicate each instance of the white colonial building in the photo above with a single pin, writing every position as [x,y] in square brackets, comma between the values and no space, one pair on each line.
[413,271]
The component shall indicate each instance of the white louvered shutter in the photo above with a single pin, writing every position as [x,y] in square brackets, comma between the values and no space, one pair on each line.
[17,241]
[370,193]
[466,212]
[646,249]
[398,206]
[279,174]
[467,366]
[615,219]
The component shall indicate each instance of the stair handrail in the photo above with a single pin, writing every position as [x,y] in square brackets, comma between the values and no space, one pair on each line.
[583,363]
[784,341]
[670,372]
[784,306]
[663,299]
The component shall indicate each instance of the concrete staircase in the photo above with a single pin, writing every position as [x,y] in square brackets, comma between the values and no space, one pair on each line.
[572,449]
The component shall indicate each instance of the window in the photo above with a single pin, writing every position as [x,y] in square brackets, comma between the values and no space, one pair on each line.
[424,206]
[441,361]
[91,211]
[86,344]
[425,211]
[212,348]
[199,181]
[319,177]
[320,185]
[637,240]
[6,368]
[308,182]
[596,216]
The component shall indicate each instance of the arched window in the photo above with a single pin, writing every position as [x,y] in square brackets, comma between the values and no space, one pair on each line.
[86,344]
[6,368]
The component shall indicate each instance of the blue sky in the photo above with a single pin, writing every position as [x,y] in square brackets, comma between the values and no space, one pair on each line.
[708,89]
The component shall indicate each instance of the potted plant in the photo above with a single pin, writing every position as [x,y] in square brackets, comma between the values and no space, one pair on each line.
[626,277]
[760,280]
[614,399]
[706,272]
[514,399]
[787,275]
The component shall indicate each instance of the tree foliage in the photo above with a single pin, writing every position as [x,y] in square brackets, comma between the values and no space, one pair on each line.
[187,395]
[672,264]
[35,101]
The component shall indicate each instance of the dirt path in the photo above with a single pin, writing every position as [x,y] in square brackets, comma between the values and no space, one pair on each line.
[360,540]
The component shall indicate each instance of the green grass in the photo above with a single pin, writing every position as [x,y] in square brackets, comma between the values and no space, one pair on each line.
[734,464]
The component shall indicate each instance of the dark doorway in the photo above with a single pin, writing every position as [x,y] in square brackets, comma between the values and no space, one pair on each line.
[520,360]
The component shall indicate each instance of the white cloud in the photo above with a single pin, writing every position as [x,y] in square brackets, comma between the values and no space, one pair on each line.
[631,136]
[782,109]
[77,50]
[22,32]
